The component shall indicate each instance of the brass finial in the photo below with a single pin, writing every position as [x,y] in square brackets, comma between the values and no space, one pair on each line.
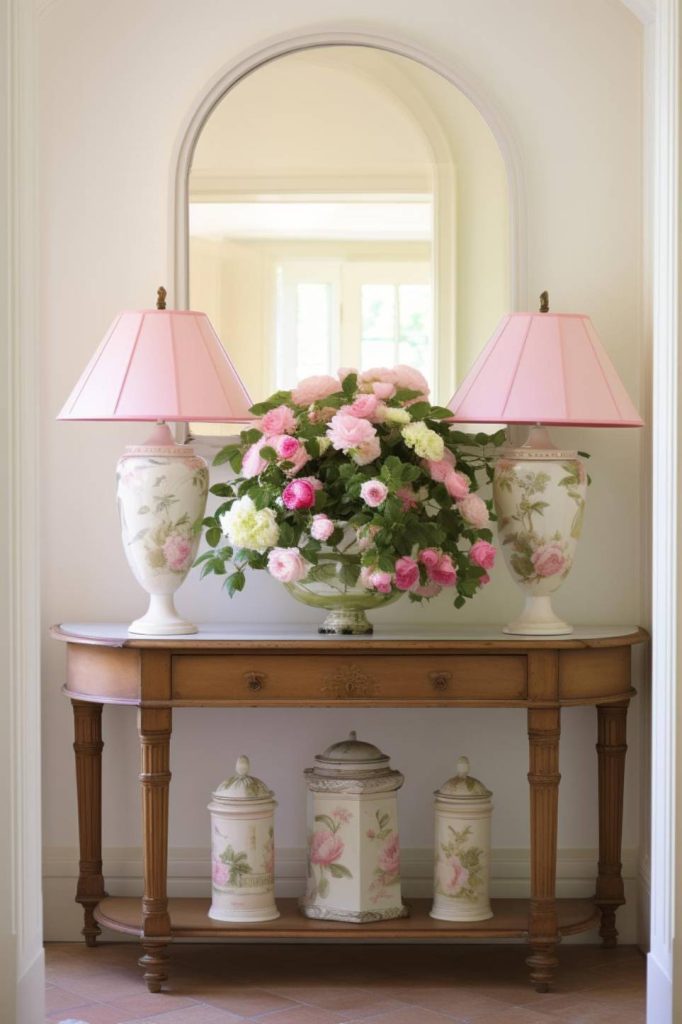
[544,302]
[161,297]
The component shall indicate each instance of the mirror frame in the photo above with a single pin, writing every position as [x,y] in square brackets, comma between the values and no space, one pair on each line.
[235,71]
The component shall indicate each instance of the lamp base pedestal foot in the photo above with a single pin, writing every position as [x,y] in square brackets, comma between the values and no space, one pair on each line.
[538,619]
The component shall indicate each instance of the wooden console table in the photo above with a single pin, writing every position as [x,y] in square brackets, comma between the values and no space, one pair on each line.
[467,667]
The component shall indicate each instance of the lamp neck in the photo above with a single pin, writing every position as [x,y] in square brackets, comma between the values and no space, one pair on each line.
[160,436]
[538,437]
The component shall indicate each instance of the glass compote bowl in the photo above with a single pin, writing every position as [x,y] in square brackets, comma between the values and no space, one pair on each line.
[334,584]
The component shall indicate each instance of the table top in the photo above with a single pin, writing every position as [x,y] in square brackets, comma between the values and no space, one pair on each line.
[224,636]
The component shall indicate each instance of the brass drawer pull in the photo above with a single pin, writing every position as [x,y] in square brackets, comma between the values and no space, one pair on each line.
[255,680]
[440,680]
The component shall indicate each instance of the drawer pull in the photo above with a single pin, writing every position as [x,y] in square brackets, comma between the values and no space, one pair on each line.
[440,680]
[255,680]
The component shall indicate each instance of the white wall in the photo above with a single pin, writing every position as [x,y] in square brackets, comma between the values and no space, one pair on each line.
[119,81]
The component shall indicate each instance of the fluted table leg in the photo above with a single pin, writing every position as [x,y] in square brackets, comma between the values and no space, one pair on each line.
[155,731]
[611,750]
[544,730]
[87,718]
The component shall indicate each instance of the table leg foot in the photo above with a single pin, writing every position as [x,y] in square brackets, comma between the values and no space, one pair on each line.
[154,961]
[608,930]
[90,930]
[542,962]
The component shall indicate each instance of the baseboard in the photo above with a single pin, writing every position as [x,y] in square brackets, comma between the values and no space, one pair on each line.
[189,875]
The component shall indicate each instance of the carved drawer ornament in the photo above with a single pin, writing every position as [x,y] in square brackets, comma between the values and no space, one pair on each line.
[349,681]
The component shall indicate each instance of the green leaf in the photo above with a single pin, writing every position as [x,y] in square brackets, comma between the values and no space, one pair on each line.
[326,820]
[225,454]
[279,398]
[350,384]
[213,536]
[439,412]
[268,453]
[235,582]
[222,490]
[339,871]
[251,435]
[203,558]
[420,410]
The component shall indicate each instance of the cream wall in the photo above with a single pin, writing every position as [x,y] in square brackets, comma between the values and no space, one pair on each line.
[118,83]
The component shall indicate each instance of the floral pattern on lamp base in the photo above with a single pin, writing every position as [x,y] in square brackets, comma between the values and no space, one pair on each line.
[161,499]
[540,503]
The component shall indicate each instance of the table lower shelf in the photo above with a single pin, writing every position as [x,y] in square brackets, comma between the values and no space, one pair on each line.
[190,920]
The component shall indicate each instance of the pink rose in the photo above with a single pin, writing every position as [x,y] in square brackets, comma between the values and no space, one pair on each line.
[389,858]
[383,389]
[278,421]
[252,463]
[408,377]
[221,873]
[325,847]
[460,876]
[428,590]
[178,552]
[443,572]
[321,415]
[313,389]
[342,814]
[381,581]
[287,565]
[322,527]
[286,447]
[376,373]
[364,406]
[299,494]
[473,509]
[457,484]
[406,573]
[483,580]
[549,559]
[347,432]
[482,554]
[373,493]
[438,470]
[367,452]
[429,557]
[409,498]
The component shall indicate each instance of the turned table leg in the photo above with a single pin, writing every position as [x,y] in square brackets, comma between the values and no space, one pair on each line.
[154,726]
[544,730]
[611,750]
[87,719]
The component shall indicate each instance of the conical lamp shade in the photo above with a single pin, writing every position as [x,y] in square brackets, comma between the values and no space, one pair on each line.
[545,368]
[159,364]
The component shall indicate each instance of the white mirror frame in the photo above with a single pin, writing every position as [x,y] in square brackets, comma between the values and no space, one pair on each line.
[234,72]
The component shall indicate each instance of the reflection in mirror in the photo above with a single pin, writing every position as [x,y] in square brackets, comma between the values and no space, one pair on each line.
[347,207]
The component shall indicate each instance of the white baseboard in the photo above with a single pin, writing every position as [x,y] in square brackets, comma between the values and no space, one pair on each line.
[189,875]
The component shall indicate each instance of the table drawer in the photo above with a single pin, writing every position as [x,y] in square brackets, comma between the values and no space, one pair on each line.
[285,678]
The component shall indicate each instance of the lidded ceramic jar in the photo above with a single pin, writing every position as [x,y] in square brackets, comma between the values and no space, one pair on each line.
[353,843]
[461,885]
[243,848]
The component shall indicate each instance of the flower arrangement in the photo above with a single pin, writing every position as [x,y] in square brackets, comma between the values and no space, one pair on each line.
[361,461]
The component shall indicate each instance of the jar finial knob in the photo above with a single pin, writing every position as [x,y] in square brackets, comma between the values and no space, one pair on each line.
[353,735]
[243,765]
[462,766]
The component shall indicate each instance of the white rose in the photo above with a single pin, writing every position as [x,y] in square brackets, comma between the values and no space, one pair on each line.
[391,415]
[426,443]
[245,526]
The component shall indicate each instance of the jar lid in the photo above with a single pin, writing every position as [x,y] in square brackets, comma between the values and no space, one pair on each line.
[242,786]
[353,751]
[463,786]
[353,766]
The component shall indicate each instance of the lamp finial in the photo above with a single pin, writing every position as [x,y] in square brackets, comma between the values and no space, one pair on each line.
[161,297]
[544,302]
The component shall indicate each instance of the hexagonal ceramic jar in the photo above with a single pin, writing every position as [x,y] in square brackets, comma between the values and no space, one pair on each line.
[243,848]
[353,843]
[461,881]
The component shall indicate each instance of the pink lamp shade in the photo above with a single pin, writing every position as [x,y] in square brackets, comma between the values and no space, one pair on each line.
[548,368]
[159,364]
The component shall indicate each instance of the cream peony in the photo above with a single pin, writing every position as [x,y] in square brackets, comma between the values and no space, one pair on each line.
[426,443]
[391,415]
[245,526]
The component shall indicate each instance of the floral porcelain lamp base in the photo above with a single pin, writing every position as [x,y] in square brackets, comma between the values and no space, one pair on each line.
[162,490]
[539,494]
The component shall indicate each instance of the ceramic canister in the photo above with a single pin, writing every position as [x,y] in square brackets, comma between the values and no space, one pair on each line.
[243,848]
[353,843]
[462,848]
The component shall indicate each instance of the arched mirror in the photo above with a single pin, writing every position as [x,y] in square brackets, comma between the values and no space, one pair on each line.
[347,207]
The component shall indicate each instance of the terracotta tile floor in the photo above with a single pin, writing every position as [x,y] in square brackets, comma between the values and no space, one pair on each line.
[333,984]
